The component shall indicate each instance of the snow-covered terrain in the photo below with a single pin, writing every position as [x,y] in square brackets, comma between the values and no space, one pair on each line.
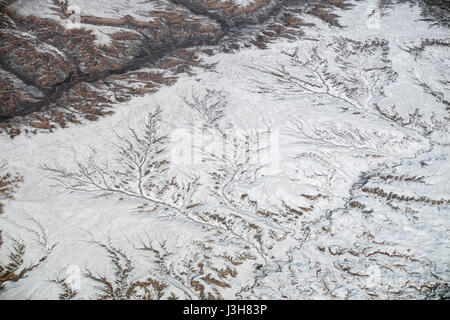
[316,168]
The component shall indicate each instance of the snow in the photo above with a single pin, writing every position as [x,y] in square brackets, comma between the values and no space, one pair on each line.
[325,152]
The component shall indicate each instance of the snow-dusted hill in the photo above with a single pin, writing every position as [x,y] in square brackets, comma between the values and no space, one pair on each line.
[306,163]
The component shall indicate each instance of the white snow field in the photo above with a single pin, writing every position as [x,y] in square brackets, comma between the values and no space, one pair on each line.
[317,168]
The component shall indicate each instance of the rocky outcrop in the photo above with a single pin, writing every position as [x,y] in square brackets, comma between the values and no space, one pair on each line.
[74,68]
[47,55]
[15,94]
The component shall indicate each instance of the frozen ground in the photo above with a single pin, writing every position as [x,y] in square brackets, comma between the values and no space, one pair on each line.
[316,168]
